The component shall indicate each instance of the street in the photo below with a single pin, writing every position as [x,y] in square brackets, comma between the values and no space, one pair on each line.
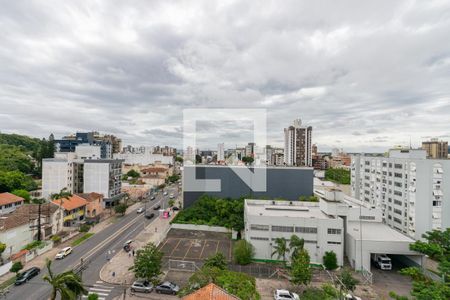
[94,253]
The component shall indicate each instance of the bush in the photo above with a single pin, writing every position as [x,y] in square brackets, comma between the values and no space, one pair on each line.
[243,252]
[84,228]
[16,267]
[218,261]
[120,208]
[33,245]
[330,260]
[338,175]
[22,193]
[56,239]
[93,296]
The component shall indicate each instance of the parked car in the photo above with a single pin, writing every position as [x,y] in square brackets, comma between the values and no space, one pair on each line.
[351,297]
[157,207]
[285,295]
[140,210]
[150,216]
[171,196]
[152,198]
[175,208]
[141,286]
[63,253]
[165,194]
[167,287]
[127,245]
[27,275]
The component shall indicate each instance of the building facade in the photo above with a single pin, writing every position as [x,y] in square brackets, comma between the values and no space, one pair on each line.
[412,191]
[220,152]
[298,145]
[109,144]
[436,149]
[9,203]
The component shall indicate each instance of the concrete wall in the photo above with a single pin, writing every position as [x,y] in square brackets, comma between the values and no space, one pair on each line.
[5,268]
[286,183]
[200,227]
[16,238]
[54,176]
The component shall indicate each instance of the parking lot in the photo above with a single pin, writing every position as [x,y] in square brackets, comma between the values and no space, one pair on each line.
[195,245]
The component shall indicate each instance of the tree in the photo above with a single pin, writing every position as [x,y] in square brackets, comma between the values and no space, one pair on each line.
[147,263]
[171,202]
[16,267]
[346,280]
[93,296]
[296,244]
[248,160]
[179,159]
[173,178]
[330,260]
[198,159]
[338,175]
[133,173]
[120,208]
[300,270]
[280,249]
[67,284]
[22,193]
[14,180]
[218,261]
[243,252]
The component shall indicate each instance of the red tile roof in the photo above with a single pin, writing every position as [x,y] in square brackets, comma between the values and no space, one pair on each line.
[210,292]
[91,196]
[71,203]
[8,198]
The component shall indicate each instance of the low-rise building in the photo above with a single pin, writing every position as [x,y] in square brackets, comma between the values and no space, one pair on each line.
[266,220]
[94,207]
[9,202]
[74,209]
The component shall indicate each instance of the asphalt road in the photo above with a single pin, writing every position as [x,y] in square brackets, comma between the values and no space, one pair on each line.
[94,252]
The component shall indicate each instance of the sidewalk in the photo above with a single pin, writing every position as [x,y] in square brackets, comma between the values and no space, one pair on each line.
[122,261]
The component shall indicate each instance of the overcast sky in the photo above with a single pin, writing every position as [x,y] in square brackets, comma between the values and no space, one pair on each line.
[366,75]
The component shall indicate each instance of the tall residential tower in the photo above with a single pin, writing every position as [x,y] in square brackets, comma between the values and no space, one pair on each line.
[298,145]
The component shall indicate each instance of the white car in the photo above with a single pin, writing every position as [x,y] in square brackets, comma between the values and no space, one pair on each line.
[63,253]
[140,210]
[285,295]
[350,297]
[165,194]
[171,196]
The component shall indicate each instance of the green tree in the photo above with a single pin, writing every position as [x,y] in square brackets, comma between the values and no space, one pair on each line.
[338,175]
[22,193]
[2,249]
[243,252]
[67,284]
[330,260]
[147,263]
[171,202]
[173,178]
[120,208]
[179,159]
[198,159]
[133,173]
[248,160]
[16,267]
[218,261]
[300,269]
[346,281]
[281,249]
[15,180]
[13,158]
[93,296]
[296,244]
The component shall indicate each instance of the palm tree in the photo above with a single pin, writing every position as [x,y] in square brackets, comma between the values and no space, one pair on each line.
[67,284]
[280,249]
[296,244]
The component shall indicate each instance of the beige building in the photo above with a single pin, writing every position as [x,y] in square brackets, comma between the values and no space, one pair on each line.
[436,148]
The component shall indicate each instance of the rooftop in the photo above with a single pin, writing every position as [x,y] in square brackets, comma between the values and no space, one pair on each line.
[71,203]
[8,198]
[289,209]
[374,231]
[210,292]
[90,196]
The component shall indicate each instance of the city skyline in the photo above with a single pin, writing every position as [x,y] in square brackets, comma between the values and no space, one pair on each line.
[131,70]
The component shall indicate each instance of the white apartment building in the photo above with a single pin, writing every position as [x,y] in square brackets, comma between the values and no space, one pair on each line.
[412,191]
[86,151]
[266,220]
[66,171]
[298,145]
[144,158]
[220,152]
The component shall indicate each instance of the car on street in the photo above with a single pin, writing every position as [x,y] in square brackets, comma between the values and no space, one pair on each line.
[157,207]
[141,286]
[140,210]
[150,216]
[351,297]
[167,287]
[171,196]
[175,208]
[285,295]
[127,245]
[165,194]
[27,275]
[63,253]
[152,198]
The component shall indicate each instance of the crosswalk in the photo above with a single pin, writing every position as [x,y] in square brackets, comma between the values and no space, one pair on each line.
[100,289]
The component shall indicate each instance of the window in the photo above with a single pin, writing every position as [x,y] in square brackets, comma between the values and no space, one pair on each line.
[398,166]
[283,228]
[397,193]
[367,217]
[398,184]
[333,243]
[306,229]
[398,202]
[310,242]
[397,211]
[257,238]
[398,175]
[259,227]
[334,231]
[437,203]
[396,220]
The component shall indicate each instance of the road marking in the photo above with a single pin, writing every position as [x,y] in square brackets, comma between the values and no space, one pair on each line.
[100,290]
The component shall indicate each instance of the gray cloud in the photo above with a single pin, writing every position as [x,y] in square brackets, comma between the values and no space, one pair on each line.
[352,70]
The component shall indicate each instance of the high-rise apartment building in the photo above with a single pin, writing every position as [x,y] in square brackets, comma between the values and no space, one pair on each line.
[298,145]
[436,149]
[220,152]
[109,144]
[412,191]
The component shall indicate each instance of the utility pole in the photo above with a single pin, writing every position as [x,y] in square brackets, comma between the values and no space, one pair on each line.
[39,222]
[124,290]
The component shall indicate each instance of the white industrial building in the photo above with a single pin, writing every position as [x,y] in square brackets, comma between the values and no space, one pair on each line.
[413,192]
[336,223]
[266,220]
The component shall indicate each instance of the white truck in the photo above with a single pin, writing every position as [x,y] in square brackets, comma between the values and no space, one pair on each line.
[382,261]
